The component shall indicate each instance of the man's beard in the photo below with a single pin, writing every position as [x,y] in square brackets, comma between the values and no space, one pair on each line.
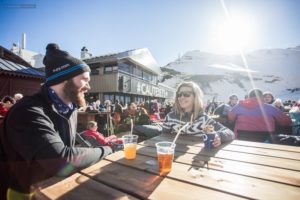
[74,94]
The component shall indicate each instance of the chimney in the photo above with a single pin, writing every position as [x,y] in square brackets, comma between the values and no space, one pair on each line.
[85,53]
[23,41]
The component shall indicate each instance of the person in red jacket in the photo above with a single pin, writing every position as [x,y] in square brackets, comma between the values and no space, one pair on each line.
[103,141]
[3,110]
[256,119]
[5,104]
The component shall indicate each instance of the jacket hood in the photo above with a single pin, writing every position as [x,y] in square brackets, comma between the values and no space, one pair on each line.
[251,102]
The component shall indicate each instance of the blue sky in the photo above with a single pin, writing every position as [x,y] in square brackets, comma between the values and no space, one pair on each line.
[168,28]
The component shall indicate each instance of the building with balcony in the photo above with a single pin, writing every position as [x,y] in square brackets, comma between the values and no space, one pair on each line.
[130,76]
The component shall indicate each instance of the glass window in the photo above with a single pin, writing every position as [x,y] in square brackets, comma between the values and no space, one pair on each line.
[154,78]
[127,100]
[138,72]
[125,68]
[120,98]
[109,97]
[105,97]
[146,76]
[109,69]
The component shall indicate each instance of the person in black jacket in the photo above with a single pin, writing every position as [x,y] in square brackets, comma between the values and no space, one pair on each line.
[223,110]
[38,133]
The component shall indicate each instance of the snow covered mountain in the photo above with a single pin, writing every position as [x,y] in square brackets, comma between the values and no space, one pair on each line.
[275,70]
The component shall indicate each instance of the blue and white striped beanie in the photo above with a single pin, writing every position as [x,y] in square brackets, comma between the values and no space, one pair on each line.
[61,66]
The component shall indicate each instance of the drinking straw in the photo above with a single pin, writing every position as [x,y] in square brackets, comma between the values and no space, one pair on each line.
[204,122]
[111,126]
[191,121]
[131,122]
[178,132]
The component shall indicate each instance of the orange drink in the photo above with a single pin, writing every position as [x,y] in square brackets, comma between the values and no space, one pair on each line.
[130,143]
[165,162]
[130,151]
[165,155]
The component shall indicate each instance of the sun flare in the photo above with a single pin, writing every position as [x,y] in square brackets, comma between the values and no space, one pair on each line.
[234,35]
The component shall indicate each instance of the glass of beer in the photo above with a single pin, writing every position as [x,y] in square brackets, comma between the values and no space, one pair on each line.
[130,143]
[165,155]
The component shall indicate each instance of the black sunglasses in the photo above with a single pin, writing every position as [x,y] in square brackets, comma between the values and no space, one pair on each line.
[185,94]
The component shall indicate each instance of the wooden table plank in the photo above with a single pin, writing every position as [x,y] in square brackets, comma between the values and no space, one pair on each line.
[244,186]
[126,179]
[171,189]
[196,141]
[140,183]
[236,156]
[242,168]
[236,184]
[77,187]
[262,160]
[266,145]
[265,152]
[192,140]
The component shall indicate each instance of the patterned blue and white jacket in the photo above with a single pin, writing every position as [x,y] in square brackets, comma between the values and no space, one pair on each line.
[174,122]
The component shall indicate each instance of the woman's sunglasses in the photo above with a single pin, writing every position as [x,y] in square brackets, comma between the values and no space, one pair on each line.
[185,94]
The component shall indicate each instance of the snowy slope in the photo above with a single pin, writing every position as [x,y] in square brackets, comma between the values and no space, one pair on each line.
[276,70]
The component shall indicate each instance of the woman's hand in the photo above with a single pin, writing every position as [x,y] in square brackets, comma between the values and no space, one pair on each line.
[217,141]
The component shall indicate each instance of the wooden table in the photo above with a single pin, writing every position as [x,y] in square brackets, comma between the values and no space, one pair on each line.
[240,170]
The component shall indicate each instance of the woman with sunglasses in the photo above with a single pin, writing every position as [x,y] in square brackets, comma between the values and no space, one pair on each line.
[188,108]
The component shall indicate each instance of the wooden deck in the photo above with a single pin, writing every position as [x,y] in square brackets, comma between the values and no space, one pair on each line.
[240,170]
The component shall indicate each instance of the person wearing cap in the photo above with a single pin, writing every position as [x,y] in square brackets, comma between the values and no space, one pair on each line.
[268,97]
[38,134]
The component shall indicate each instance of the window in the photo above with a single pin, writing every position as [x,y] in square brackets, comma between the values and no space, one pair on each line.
[109,97]
[138,72]
[127,100]
[109,69]
[146,76]
[125,68]
[120,98]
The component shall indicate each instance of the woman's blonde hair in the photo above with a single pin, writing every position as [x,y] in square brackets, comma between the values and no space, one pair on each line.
[198,95]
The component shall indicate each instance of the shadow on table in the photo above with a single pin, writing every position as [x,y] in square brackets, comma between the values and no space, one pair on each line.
[78,187]
[112,178]
[199,156]
[115,177]
[202,158]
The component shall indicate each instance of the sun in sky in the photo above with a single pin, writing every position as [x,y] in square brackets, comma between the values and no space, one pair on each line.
[234,32]
[233,35]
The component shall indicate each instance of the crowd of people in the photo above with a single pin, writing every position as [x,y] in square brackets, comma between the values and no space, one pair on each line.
[40,130]
[259,113]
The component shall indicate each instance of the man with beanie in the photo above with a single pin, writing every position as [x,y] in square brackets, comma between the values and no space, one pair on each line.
[38,134]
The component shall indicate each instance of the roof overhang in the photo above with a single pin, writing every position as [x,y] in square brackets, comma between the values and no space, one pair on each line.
[140,57]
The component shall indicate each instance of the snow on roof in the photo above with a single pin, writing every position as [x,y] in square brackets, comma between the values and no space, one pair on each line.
[141,57]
